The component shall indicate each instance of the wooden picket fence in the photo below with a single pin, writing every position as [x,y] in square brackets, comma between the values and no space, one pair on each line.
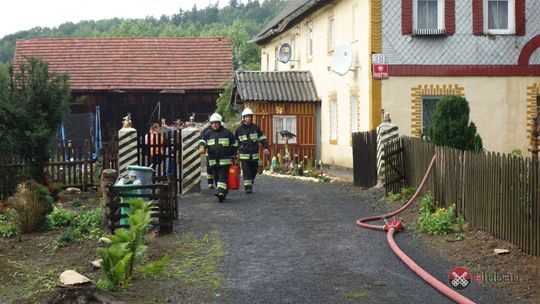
[69,166]
[495,192]
[79,166]
[364,146]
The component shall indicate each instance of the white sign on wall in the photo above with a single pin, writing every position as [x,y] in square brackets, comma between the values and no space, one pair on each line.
[378,59]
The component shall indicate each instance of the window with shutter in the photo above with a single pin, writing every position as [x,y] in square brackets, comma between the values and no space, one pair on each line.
[428,17]
[499,17]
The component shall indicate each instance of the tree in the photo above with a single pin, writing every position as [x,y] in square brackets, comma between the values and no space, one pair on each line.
[33,104]
[450,125]
[223,104]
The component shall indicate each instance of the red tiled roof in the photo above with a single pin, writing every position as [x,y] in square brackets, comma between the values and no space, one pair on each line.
[135,63]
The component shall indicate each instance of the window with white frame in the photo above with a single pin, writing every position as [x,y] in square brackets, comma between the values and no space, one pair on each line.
[428,108]
[428,17]
[333,121]
[499,17]
[354,114]
[310,39]
[331,34]
[284,123]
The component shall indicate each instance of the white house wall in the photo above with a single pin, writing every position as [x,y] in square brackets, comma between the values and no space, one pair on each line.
[329,83]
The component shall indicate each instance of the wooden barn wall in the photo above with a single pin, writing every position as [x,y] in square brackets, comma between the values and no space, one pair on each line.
[141,106]
[305,126]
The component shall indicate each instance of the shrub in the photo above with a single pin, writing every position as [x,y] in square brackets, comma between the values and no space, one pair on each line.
[450,125]
[403,196]
[89,222]
[69,235]
[31,203]
[438,221]
[126,248]
[60,217]
[7,227]
[393,197]
[516,152]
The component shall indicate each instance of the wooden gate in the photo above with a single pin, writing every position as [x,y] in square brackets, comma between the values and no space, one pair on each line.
[162,152]
[364,146]
[394,169]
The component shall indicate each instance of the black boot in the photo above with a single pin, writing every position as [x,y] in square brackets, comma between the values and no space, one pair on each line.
[249,190]
[220,196]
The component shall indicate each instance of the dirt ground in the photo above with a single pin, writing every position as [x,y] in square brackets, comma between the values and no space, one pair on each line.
[30,267]
[197,272]
[476,252]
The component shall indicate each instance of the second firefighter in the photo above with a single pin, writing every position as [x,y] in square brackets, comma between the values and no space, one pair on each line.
[249,135]
[221,146]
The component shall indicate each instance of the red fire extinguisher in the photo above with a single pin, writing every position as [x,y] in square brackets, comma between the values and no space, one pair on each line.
[233,180]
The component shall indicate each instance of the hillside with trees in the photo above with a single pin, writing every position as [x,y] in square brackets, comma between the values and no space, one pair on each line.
[238,20]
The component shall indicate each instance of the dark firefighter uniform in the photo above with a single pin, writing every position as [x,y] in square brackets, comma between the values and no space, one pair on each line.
[209,172]
[221,147]
[249,136]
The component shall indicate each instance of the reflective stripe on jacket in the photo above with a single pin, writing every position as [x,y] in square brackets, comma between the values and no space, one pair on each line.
[220,144]
[249,137]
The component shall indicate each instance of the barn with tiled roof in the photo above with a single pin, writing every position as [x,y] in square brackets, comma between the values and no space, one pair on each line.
[147,77]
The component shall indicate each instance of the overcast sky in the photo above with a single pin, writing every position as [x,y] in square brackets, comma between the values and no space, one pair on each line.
[19,15]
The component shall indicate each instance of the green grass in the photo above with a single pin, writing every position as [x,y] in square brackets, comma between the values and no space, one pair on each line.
[355,295]
[197,260]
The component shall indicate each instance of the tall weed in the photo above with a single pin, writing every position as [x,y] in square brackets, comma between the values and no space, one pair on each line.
[31,203]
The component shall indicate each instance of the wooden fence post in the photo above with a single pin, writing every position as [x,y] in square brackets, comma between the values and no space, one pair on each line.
[108,177]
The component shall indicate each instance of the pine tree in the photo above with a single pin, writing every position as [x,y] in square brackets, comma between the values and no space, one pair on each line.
[33,103]
[450,125]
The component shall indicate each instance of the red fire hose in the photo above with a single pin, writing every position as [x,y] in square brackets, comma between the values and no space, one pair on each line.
[394,226]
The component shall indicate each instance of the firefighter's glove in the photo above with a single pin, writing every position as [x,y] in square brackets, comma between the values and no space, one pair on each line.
[202,150]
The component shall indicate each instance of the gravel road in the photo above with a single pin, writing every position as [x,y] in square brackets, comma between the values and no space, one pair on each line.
[295,241]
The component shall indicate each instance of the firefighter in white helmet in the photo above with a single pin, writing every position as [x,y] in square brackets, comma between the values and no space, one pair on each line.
[249,136]
[221,146]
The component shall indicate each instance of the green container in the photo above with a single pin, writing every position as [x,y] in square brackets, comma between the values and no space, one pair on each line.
[126,200]
[142,174]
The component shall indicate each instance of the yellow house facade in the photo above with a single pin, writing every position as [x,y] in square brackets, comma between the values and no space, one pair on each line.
[314,30]
[493,60]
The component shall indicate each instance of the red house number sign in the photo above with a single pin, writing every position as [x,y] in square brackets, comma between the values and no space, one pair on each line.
[380,71]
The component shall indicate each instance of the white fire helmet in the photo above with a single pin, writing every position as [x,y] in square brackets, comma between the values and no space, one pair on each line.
[247,111]
[216,117]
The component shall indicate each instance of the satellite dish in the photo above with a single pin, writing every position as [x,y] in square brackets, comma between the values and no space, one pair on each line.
[284,53]
[342,59]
